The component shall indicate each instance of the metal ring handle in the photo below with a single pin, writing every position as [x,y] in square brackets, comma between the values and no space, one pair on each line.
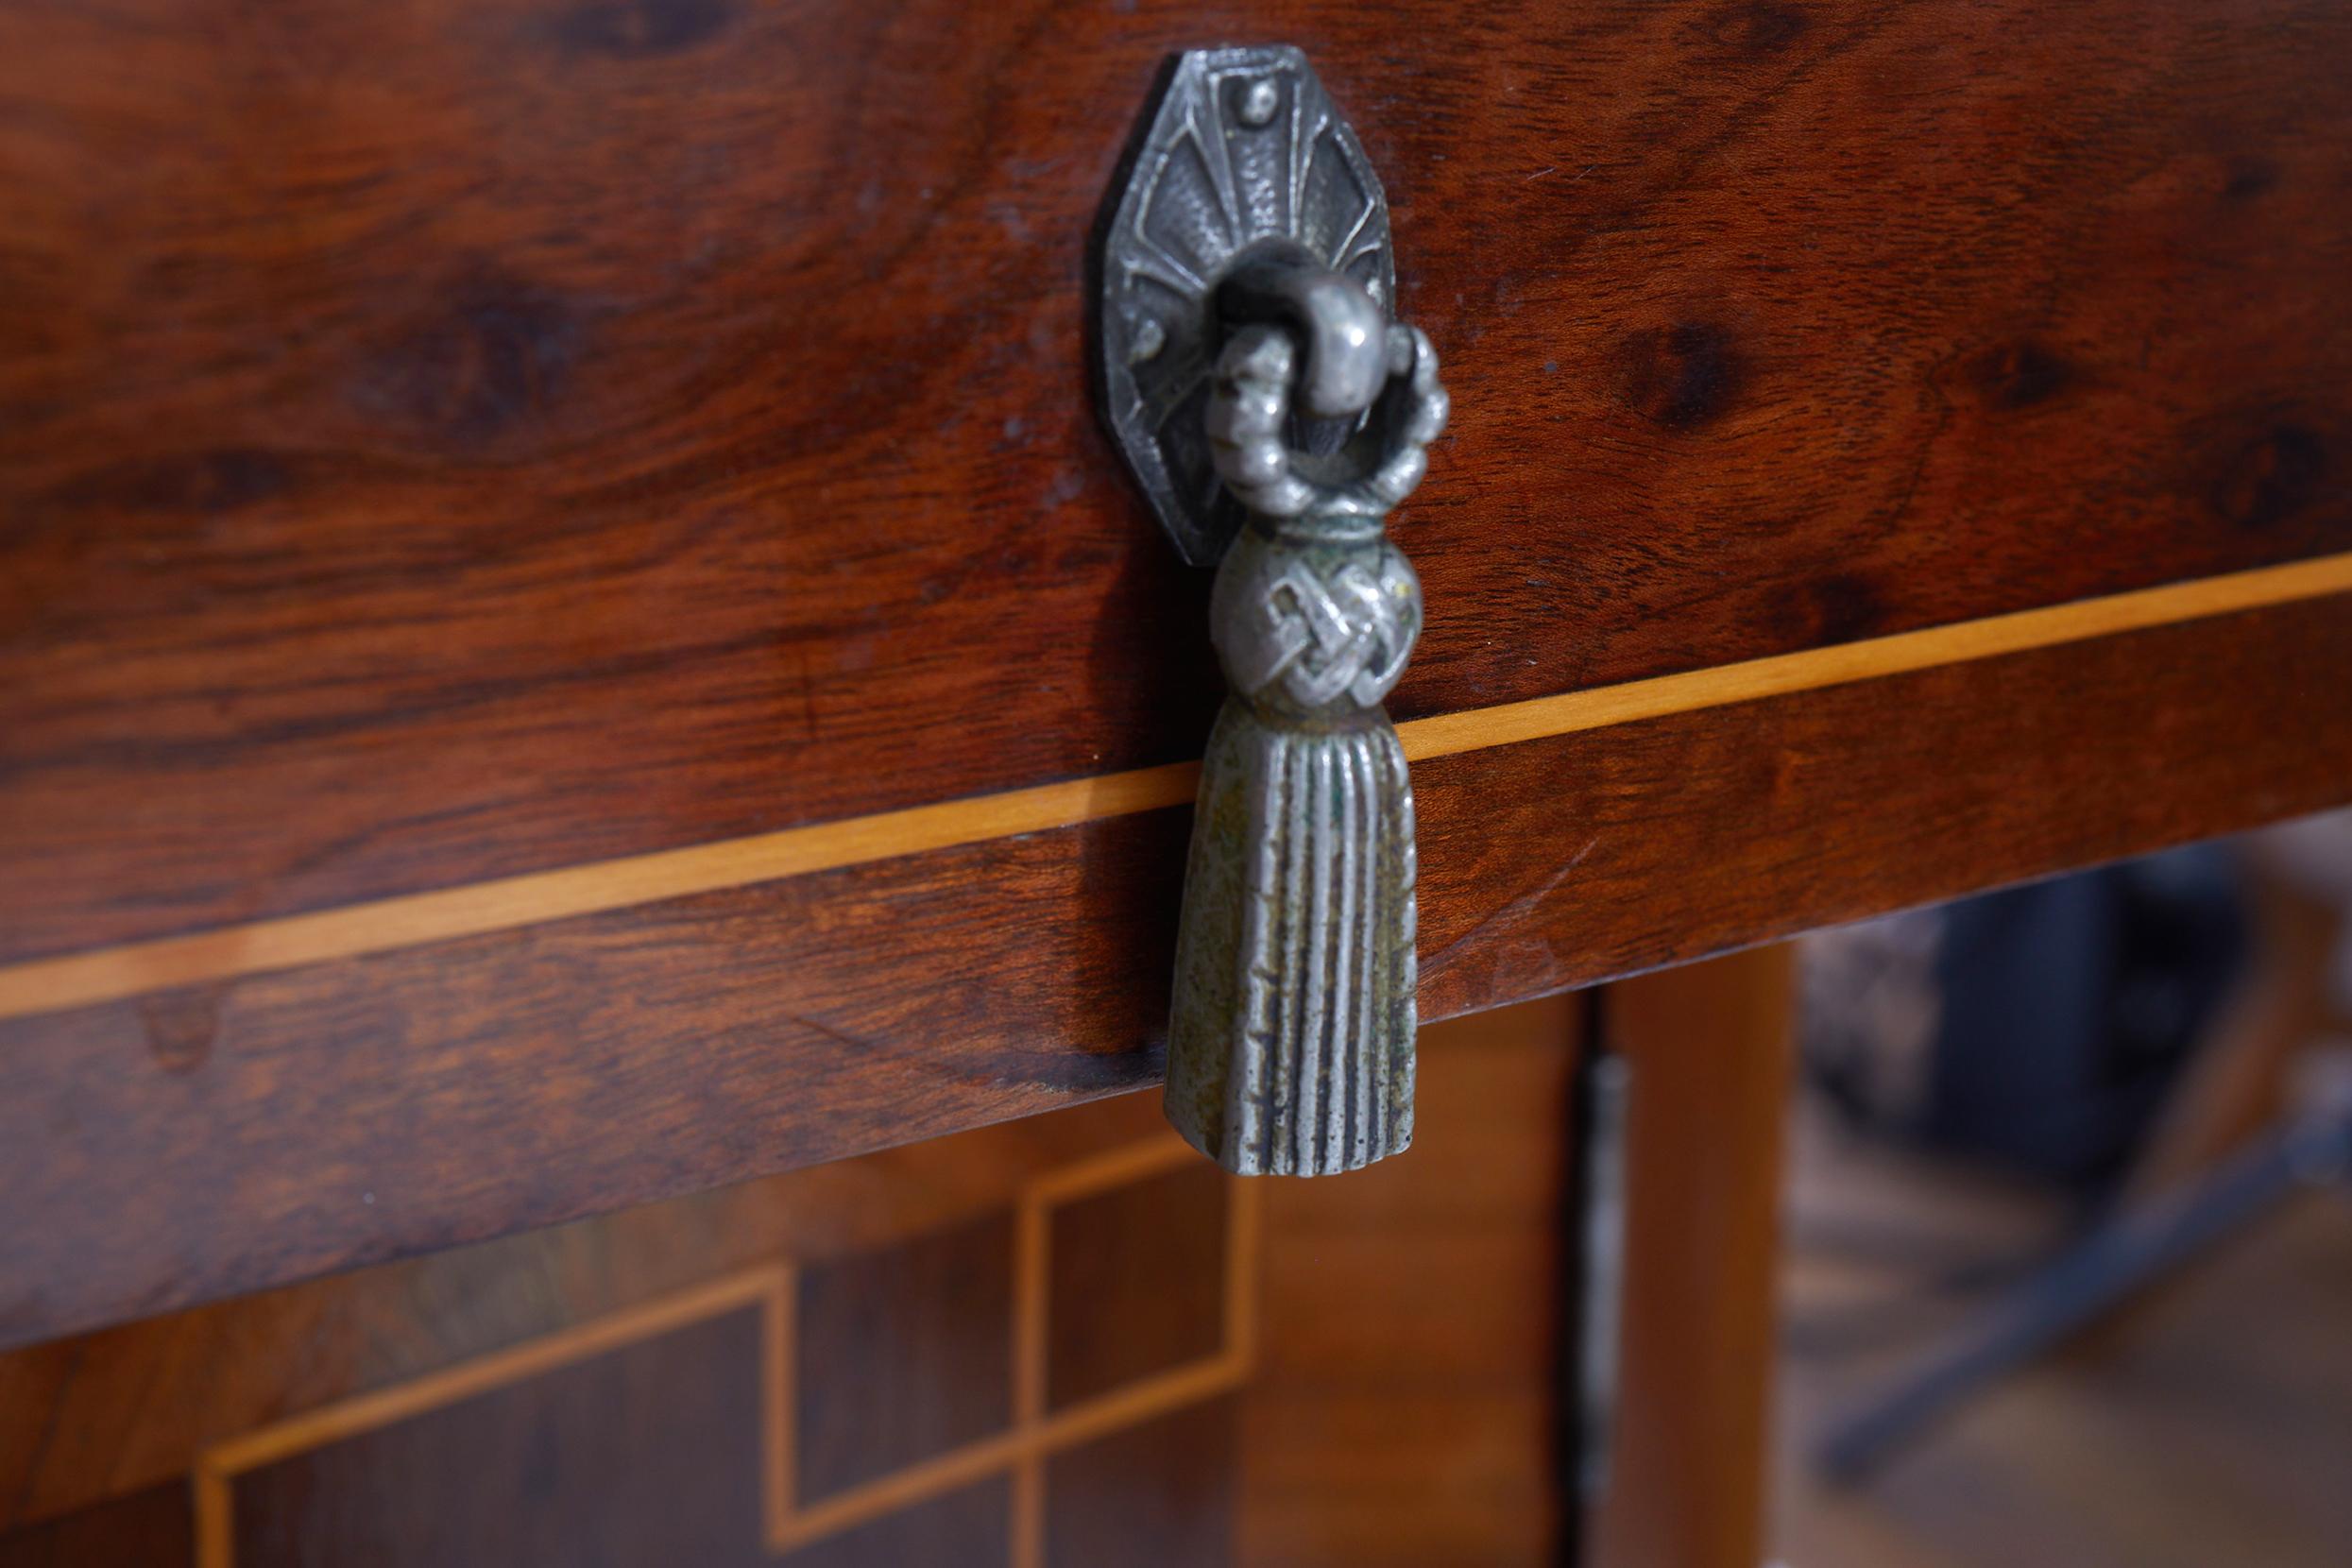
[1249,414]
[1273,414]
[1342,329]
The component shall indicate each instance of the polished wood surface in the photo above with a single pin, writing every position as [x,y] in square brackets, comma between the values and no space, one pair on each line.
[448,443]
[177,1146]
[843,1377]
[1407,1397]
[452,440]
[134,1405]
[1711,1051]
[1065,1340]
[259,947]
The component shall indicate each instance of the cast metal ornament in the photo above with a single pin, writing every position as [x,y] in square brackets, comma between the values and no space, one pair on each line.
[1273,414]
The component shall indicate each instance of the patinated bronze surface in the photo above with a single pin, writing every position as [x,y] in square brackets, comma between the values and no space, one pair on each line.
[1264,398]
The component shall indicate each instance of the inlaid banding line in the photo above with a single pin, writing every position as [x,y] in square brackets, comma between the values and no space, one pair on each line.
[772,1289]
[410,920]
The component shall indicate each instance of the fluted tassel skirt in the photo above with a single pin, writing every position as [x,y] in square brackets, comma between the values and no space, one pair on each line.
[1290,1052]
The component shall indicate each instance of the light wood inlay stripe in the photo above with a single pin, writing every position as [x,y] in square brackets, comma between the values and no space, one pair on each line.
[550,1352]
[384,925]
[1121,1408]
[773,1289]
[212,1478]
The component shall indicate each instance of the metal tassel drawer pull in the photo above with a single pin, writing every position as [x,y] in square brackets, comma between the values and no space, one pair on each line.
[1273,414]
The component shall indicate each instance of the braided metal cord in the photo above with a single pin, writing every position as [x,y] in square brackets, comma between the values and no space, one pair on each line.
[1249,407]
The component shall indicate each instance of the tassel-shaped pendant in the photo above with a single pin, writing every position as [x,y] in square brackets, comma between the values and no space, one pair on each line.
[1290,1050]
[1265,399]
[1290,1047]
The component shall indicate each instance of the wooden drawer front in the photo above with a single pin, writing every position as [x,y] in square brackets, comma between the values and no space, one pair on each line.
[570,634]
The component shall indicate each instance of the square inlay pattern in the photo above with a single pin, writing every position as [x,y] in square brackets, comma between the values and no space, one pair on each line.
[1005,1389]
[904,1354]
[1138,1283]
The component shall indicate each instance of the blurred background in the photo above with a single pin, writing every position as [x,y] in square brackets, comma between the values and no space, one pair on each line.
[2067,1250]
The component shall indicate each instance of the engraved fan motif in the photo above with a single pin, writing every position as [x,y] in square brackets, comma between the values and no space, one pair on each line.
[1291,1018]
[1243,146]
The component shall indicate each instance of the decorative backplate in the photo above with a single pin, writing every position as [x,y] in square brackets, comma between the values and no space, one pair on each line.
[1243,147]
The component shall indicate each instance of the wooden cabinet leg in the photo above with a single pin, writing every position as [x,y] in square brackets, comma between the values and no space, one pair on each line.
[1709,1050]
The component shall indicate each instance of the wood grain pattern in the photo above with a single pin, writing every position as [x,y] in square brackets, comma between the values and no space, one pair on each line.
[166,1150]
[1137,1285]
[1407,1390]
[1159,1493]
[1711,1050]
[905,1354]
[445,441]
[403,1411]
[87,1418]
[43,985]
[647,1454]
[300,1445]
[150,1529]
